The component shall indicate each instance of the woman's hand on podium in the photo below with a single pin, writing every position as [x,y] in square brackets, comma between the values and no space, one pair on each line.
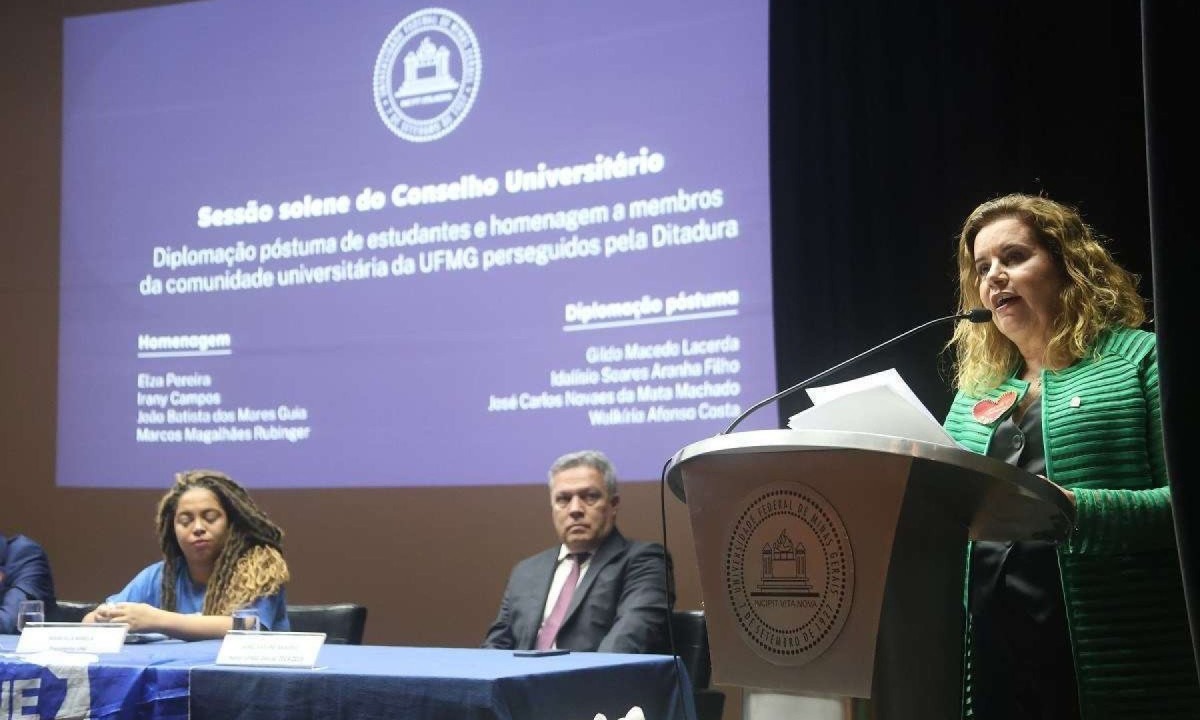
[1070,494]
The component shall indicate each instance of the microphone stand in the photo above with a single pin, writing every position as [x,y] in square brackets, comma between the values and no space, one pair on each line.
[977,315]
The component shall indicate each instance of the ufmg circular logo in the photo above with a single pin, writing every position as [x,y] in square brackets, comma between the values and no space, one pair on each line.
[789,573]
[427,75]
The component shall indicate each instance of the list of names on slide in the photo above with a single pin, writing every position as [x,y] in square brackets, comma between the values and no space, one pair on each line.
[680,379]
[190,408]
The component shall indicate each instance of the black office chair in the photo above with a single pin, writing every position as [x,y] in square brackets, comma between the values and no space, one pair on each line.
[691,642]
[342,623]
[68,611]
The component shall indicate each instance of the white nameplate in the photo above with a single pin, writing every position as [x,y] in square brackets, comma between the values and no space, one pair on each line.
[95,638]
[270,649]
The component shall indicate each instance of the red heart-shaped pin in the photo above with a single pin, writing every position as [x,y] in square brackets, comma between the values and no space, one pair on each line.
[989,411]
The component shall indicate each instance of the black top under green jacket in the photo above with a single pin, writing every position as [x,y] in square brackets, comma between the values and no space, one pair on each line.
[1102,430]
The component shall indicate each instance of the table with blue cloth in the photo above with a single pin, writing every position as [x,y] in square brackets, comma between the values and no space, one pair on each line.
[180,680]
[142,681]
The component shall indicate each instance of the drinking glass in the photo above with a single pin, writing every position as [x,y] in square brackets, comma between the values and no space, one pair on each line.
[246,619]
[30,611]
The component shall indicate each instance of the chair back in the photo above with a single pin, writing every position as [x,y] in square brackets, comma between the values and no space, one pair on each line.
[690,632]
[68,610]
[691,642]
[342,623]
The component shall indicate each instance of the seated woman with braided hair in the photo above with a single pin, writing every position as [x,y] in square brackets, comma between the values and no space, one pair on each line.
[220,553]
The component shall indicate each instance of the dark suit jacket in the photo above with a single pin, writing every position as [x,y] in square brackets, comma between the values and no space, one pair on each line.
[24,575]
[619,606]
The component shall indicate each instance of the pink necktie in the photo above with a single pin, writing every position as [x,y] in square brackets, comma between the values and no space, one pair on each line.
[545,637]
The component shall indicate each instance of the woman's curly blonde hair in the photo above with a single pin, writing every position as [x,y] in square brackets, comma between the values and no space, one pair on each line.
[250,565]
[1097,293]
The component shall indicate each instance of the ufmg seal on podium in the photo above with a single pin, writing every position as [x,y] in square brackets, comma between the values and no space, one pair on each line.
[427,75]
[789,573]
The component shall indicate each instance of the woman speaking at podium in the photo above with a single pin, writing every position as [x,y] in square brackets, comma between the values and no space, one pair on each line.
[220,553]
[1064,383]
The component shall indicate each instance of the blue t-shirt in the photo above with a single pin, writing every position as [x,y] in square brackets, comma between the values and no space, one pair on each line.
[146,587]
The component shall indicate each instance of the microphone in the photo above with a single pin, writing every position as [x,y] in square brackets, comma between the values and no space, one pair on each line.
[977,315]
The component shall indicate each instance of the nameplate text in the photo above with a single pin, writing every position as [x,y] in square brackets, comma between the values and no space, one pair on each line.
[95,638]
[270,649]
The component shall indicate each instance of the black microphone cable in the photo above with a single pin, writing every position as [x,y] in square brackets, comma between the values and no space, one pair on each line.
[667,578]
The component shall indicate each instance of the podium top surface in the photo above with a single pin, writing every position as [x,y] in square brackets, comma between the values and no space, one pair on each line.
[998,501]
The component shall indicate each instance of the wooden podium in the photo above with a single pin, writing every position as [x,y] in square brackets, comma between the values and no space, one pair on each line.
[832,563]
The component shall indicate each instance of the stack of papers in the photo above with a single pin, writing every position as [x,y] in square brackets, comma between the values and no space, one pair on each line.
[882,404]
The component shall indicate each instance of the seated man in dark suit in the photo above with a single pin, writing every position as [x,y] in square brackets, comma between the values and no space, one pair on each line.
[24,575]
[595,591]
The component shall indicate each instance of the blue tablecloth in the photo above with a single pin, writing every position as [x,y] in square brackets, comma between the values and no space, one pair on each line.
[142,681]
[369,682]
[161,680]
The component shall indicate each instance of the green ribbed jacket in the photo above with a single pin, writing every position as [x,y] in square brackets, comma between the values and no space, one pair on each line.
[1102,429]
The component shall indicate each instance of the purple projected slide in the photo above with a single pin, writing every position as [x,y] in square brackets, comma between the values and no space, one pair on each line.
[378,243]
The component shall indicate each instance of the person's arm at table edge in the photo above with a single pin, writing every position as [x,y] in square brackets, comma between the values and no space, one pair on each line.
[26,576]
[146,618]
[642,617]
